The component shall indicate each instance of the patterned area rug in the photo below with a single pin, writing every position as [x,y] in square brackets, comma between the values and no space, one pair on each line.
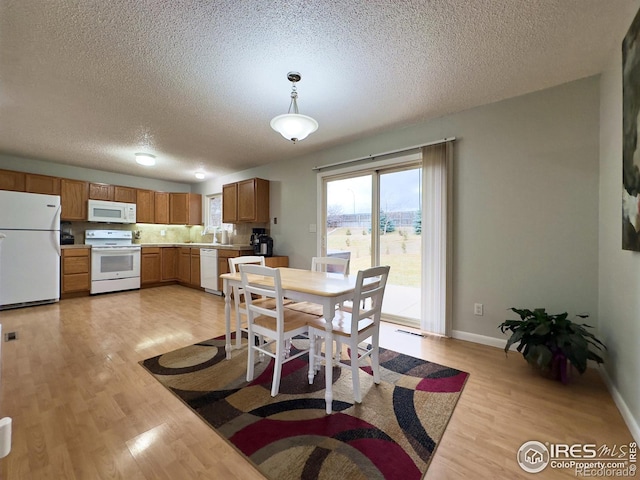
[392,434]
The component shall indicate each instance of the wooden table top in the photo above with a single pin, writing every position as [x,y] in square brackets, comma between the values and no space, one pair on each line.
[306,281]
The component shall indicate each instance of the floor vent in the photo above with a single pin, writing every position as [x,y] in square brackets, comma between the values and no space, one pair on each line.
[411,333]
[10,336]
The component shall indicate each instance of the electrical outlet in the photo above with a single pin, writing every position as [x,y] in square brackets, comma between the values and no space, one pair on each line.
[478,309]
[163,233]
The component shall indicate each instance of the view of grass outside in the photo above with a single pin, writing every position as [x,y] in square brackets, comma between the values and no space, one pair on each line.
[348,231]
[400,249]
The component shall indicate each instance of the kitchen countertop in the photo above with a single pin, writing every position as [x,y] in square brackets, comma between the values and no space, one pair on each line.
[216,246]
[238,247]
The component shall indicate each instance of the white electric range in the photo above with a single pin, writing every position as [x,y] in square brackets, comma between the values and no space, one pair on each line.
[115,261]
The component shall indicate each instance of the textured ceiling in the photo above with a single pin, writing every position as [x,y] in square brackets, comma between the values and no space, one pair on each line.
[90,82]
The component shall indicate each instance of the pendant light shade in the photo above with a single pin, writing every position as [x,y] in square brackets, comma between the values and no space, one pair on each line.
[294,126]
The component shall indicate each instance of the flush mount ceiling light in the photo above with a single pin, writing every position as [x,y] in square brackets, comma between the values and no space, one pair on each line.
[145,159]
[294,126]
[199,175]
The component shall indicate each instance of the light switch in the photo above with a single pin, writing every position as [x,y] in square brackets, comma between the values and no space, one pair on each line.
[312,228]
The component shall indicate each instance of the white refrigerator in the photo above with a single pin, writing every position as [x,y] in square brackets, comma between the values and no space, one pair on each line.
[30,254]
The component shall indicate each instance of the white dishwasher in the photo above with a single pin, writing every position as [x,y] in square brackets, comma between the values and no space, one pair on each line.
[209,270]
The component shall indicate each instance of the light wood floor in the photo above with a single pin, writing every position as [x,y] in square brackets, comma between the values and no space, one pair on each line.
[83,408]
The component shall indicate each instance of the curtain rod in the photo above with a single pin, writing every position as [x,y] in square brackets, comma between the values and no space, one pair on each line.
[406,149]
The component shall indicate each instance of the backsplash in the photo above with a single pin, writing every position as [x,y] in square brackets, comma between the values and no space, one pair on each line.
[151,233]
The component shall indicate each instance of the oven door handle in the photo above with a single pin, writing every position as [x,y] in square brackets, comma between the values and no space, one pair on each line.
[103,250]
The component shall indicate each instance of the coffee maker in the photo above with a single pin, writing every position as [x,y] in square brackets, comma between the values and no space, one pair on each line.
[256,232]
[264,246]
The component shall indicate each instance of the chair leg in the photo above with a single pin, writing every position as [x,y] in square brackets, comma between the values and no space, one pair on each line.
[355,370]
[277,369]
[375,357]
[318,360]
[312,356]
[238,329]
[260,341]
[250,352]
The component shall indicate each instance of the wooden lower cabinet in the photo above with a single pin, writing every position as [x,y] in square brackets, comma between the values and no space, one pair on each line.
[189,266]
[225,255]
[169,261]
[184,265]
[75,271]
[159,265]
[275,262]
[195,267]
[150,266]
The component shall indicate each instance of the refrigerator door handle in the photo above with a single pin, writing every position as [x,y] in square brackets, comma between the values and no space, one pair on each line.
[55,240]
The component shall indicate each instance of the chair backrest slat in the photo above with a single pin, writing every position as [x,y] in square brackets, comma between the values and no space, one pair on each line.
[234,263]
[272,290]
[330,264]
[370,284]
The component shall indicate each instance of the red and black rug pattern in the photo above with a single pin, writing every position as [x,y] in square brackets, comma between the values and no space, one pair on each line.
[392,434]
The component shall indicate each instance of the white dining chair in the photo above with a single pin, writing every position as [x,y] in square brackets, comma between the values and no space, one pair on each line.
[239,300]
[330,264]
[354,327]
[276,326]
[321,264]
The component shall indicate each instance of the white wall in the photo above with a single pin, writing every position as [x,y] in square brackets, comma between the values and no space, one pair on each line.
[526,202]
[619,278]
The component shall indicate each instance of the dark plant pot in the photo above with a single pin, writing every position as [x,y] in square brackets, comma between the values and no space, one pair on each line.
[560,368]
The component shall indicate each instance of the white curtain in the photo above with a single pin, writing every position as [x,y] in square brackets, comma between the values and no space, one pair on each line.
[437,238]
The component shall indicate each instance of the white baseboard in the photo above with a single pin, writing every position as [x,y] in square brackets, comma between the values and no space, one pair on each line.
[631,422]
[482,339]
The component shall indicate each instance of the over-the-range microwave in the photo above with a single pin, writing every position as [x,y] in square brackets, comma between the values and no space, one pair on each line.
[111,212]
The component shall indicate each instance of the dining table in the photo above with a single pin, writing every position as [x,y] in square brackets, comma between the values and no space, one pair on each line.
[323,288]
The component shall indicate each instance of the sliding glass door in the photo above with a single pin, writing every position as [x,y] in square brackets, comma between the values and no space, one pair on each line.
[374,218]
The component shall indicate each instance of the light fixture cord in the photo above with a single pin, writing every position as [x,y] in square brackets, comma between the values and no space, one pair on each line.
[294,99]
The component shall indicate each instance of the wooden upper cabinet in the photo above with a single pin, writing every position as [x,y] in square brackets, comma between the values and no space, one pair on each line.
[101,191]
[253,200]
[10,180]
[246,201]
[195,209]
[230,203]
[42,184]
[185,208]
[145,203]
[73,198]
[178,208]
[161,207]
[124,194]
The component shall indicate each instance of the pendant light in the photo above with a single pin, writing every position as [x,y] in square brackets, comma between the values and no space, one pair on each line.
[294,126]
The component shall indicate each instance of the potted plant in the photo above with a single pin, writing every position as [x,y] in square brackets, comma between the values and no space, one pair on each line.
[548,341]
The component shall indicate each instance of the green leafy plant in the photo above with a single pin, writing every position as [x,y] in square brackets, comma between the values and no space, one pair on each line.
[548,341]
